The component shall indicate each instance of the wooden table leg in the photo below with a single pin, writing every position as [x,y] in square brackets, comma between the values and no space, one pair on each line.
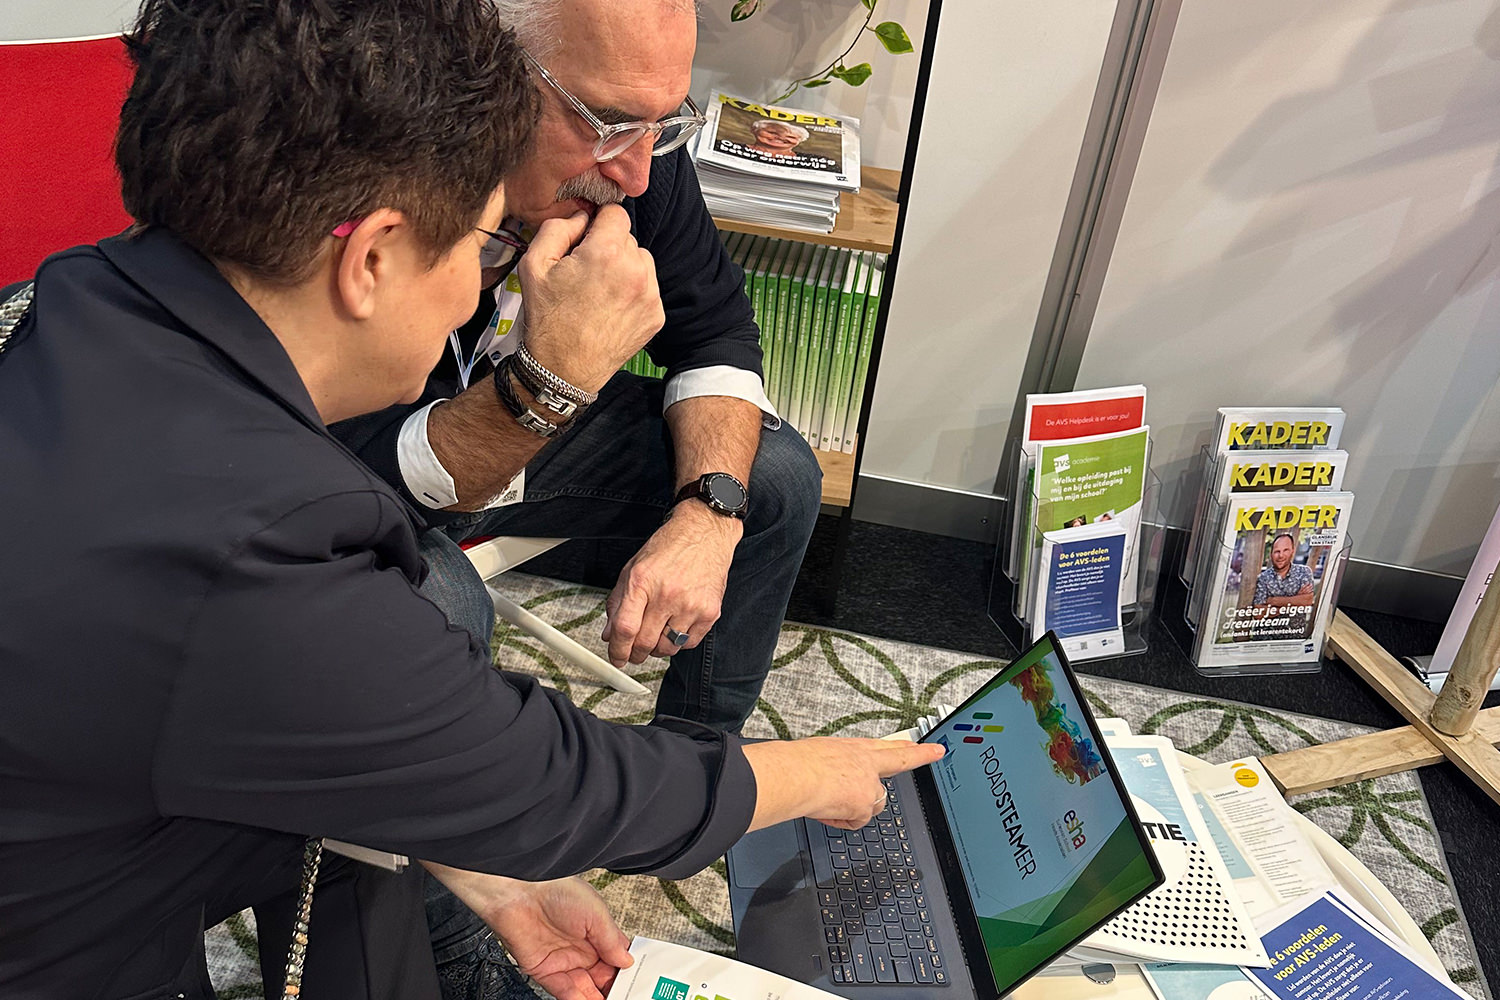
[1474,667]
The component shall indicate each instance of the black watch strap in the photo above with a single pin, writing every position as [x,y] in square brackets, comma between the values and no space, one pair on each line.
[721,492]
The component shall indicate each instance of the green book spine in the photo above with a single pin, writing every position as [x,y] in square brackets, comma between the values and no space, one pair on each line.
[853,323]
[808,268]
[837,374]
[866,345]
[839,293]
[817,365]
[790,305]
[778,295]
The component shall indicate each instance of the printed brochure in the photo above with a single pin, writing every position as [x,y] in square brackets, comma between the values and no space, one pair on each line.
[1292,470]
[1078,589]
[1258,835]
[1056,416]
[1279,429]
[1261,428]
[786,144]
[1327,948]
[666,971]
[1269,596]
[1089,480]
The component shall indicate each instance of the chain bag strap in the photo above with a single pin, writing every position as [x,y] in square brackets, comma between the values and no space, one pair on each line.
[312,857]
[12,311]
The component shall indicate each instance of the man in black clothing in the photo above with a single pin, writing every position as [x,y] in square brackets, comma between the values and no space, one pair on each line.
[237,657]
[710,583]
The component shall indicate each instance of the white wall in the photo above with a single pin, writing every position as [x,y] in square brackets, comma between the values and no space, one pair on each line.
[1009,98]
[1314,220]
[35,19]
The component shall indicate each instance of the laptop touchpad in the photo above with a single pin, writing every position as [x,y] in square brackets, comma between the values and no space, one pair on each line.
[760,854]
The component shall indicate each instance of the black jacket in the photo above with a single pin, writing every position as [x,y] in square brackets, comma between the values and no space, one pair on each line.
[211,643]
[709,319]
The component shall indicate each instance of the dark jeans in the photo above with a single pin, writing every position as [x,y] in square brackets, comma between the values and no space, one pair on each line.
[611,477]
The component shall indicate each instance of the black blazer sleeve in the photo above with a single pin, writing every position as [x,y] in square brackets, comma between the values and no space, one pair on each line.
[345,705]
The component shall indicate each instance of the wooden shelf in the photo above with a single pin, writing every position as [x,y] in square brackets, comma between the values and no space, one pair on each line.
[867,220]
[838,476]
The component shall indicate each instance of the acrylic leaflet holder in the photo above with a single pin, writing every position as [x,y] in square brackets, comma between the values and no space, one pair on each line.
[1232,609]
[1087,573]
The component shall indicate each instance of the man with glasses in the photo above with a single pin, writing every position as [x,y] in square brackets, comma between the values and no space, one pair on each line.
[723,495]
[699,468]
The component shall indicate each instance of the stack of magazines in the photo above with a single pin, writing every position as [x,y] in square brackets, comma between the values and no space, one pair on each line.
[1268,539]
[776,166]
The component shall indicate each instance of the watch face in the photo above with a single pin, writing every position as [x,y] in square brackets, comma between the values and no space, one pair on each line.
[725,492]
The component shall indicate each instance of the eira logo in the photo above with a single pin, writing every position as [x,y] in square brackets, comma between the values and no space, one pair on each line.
[1074,825]
[1278,434]
[1311,516]
[1303,474]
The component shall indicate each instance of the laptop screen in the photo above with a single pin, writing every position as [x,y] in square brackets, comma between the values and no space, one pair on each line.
[1045,843]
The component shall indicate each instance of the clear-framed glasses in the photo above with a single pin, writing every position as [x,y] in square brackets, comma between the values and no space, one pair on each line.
[666,135]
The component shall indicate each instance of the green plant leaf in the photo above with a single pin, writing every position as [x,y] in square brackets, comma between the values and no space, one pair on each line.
[869,4]
[743,9]
[853,75]
[818,83]
[893,37]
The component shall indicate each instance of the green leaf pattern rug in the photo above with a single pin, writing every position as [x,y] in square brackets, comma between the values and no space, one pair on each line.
[826,682]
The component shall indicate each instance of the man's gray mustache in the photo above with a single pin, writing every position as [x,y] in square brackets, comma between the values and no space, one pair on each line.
[591,187]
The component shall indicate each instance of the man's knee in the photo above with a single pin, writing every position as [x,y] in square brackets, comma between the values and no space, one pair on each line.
[454,585]
[786,482]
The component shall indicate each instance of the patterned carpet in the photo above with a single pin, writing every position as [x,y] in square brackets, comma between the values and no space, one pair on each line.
[827,682]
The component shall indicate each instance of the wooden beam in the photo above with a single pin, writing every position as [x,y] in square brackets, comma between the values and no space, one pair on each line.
[1409,696]
[1372,755]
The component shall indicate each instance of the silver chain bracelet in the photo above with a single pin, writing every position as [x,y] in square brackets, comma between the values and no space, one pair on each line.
[558,385]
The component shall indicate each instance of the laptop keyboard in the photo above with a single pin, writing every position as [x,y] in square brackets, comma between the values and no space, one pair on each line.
[876,923]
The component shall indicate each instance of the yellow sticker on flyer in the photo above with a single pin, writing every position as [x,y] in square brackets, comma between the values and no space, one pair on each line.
[1247,777]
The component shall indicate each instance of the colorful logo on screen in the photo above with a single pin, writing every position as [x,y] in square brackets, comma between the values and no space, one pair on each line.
[1073,755]
[979,726]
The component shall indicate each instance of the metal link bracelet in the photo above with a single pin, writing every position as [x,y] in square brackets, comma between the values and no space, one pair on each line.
[528,418]
[538,373]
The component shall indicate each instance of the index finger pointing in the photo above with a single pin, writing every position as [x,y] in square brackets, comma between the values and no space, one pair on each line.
[905,756]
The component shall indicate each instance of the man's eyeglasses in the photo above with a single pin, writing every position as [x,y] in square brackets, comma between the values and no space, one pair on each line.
[666,135]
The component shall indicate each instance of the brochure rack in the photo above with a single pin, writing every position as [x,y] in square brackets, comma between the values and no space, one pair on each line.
[1185,598]
[1015,580]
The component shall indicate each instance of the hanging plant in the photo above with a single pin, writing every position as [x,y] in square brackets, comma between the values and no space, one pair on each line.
[891,35]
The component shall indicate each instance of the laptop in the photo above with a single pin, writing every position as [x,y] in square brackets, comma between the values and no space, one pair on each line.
[984,868]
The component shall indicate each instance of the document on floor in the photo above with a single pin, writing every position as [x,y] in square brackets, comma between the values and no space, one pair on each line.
[1258,836]
[1328,949]
[666,971]
[1196,915]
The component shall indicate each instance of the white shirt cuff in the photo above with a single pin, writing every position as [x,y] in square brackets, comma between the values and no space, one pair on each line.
[423,474]
[722,380]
